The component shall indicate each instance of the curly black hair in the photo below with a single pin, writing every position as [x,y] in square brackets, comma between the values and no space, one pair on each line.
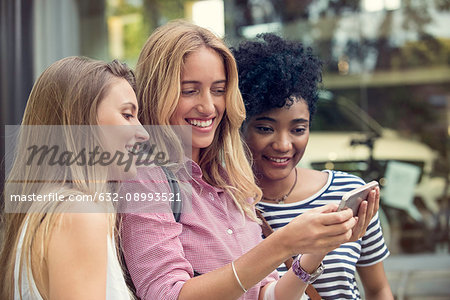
[273,72]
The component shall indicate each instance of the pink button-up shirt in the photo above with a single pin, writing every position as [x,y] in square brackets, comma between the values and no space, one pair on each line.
[161,254]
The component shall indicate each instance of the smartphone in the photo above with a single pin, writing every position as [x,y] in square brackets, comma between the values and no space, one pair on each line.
[353,198]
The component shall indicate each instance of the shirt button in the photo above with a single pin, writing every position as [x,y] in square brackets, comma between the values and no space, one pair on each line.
[230,231]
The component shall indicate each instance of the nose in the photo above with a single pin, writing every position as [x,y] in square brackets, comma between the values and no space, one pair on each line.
[141,135]
[206,104]
[282,143]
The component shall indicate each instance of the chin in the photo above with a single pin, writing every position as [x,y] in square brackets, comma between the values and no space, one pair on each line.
[130,174]
[119,173]
[276,174]
[202,144]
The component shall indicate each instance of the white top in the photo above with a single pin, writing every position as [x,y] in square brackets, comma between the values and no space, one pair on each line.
[116,288]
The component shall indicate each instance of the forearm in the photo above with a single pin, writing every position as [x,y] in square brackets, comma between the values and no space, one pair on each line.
[290,286]
[251,268]
[376,285]
[170,271]
[384,293]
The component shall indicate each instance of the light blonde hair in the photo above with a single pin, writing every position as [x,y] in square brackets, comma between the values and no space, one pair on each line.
[158,77]
[66,93]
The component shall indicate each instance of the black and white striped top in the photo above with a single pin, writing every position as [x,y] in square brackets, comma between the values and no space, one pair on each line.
[338,280]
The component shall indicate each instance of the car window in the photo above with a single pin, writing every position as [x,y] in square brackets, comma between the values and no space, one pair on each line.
[330,117]
[339,116]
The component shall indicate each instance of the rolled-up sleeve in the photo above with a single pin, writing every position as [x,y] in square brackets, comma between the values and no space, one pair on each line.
[154,255]
[151,246]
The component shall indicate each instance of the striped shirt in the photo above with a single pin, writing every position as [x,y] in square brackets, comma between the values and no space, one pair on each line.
[338,280]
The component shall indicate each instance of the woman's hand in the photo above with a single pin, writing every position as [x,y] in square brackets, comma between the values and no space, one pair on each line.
[366,212]
[318,231]
[314,234]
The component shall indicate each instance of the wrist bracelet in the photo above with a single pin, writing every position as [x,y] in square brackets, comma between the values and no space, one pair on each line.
[306,277]
[237,277]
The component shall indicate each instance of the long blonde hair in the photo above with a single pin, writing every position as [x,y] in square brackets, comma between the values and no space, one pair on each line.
[158,74]
[66,93]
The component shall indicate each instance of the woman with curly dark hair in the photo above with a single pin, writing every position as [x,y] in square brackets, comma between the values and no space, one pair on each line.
[279,81]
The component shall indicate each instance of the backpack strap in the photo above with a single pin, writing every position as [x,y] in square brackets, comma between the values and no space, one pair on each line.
[176,206]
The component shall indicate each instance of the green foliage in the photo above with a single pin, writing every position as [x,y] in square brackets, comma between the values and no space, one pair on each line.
[139,19]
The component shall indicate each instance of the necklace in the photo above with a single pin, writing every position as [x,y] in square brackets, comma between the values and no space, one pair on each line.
[282,198]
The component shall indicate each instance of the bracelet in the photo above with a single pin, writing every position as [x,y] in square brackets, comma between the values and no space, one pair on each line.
[237,277]
[306,277]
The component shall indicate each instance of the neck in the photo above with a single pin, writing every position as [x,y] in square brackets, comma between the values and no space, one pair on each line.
[195,154]
[274,189]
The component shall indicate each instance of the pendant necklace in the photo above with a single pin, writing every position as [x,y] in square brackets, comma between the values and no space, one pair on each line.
[282,198]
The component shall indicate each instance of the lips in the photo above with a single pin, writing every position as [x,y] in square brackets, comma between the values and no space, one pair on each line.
[133,149]
[278,159]
[201,123]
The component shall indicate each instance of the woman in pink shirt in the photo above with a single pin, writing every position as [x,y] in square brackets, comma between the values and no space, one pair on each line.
[187,76]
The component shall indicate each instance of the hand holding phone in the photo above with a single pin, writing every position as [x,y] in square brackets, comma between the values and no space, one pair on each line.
[353,198]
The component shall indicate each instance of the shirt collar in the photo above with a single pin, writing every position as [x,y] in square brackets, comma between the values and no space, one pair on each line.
[195,171]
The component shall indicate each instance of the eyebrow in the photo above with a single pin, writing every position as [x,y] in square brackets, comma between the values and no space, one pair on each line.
[133,106]
[265,119]
[197,82]
[299,120]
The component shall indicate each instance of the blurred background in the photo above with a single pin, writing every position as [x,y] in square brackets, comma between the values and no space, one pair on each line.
[384,110]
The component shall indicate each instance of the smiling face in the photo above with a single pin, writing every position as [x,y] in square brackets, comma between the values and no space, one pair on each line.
[115,113]
[202,100]
[278,139]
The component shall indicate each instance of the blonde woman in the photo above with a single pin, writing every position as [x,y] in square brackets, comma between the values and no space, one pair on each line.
[51,250]
[187,76]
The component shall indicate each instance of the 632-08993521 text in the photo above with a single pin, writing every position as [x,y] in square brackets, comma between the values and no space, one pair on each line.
[103,197]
